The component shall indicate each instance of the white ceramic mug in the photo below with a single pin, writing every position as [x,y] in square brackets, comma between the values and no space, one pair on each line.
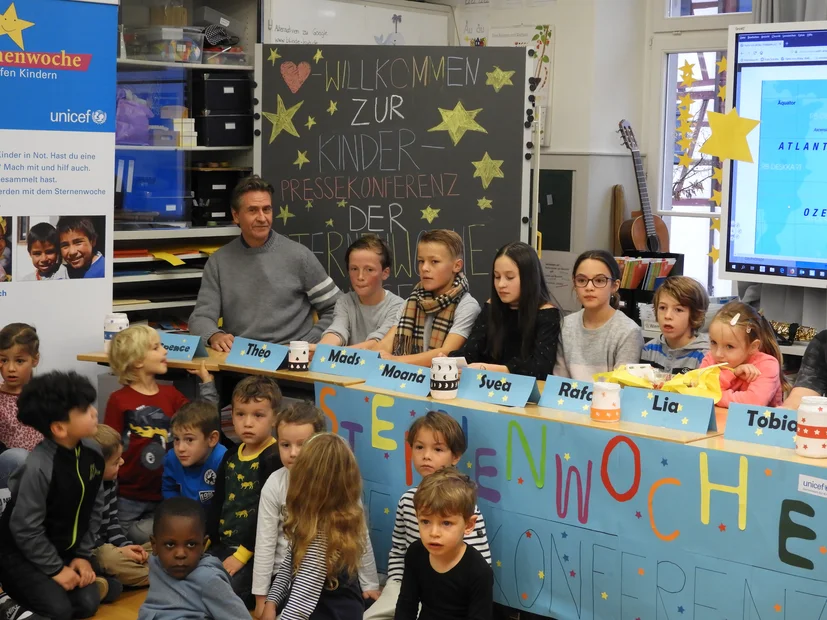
[811,432]
[606,402]
[298,358]
[112,324]
[444,378]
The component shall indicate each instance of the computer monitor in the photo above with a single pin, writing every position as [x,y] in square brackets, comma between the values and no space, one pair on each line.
[774,219]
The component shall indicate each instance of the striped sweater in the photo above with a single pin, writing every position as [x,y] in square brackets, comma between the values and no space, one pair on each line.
[110,530]
[406,532]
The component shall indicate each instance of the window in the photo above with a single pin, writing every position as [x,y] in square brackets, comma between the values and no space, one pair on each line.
[690,8]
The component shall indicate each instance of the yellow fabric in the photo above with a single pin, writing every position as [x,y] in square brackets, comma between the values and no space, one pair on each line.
[623,377]
[704,382]
[249,457]
[243,555]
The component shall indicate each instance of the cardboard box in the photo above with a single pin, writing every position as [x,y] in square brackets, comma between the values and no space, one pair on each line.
[175,111]
[168,16]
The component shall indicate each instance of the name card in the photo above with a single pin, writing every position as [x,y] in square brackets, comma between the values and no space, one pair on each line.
[343,362]
[497,388]
[667,410]
[567,395]
[768,426]
[256,354]
[398,377]
[182,347]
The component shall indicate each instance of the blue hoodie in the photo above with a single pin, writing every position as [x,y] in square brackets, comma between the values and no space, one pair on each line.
[196,482]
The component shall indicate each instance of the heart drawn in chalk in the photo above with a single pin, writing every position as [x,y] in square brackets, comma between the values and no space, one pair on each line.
[294,76]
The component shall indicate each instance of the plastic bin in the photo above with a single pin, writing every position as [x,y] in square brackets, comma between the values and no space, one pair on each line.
[165,44]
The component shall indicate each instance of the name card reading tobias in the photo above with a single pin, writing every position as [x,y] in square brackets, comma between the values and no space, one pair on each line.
[398,377]
[667,410]
[182,347]
[497,388]
[768,426]
[342,361]
[567,395]
[256,354]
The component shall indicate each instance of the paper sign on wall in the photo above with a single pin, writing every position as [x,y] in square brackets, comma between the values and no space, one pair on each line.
[398,377]
[567,395]
[497,388]
[182,347]
[667,410]
[343,362]
[768,426]
[256,354]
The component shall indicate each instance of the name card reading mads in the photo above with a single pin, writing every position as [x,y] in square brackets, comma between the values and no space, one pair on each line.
[567,395]
[398,377]
[182,347]
[768,426]
[343,362]
[256,354]
[667,410]
[497,388]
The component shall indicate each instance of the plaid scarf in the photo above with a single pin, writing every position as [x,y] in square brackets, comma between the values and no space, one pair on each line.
[410,333]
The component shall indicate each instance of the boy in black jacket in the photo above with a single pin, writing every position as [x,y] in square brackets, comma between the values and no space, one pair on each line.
[47,531]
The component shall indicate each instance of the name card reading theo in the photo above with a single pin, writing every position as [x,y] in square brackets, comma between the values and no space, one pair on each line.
[567,395]
[767,426]
[343,362]
[256,354]
[497,388]
[182,347]
[667,410]
[398,377]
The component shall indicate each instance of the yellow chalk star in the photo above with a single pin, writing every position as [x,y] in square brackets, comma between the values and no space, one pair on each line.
[468,464]
[721,64]
[274,55]
[685,160]
[329,223]
[722,92]
[685,143]
[505,398]
[341,203]
[716,224]
[490,394]
[11,25]
[686,100]
[728,139]
[430,214]
[650,396]
[310,122]
[541,574]
[283,119]
[484,203]
[499,78]
[301,160]
[457,121]
[604,595]
[759,432]
[284,214]
[716,197]
[718,174]
[318,56]
[331,109]
[643,414]
[567,456]
[685,421]
[560,401]
[488,169]
[714,254]
[309,205]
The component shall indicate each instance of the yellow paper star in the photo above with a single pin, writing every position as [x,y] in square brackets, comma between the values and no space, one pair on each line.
[766,414]
[499,564]
[684,128]
[505,398]
[714,254]
[381,367]
[722,92]
[387,511]
[430,214]
[685,421]
[685,160]
[329,223]
[479,376]
[457,121]
[684,114]
[716,225]
[284,214]
[541,574]
[499,78]
[716,197]
[14,27]
[361,362]
[643,414]
[318,56]
[484,203]
[560,401]
[309,205]
[650,395]
[283,119]
[721,64]
[323,359]
[274,55]
[604,595]
[310,122]
[333,365]
[759,432]
[686,100]
[718,174]
[341,203]
[567,456]
[680,408]
[301,160]
[402,386]
[686,74]
[488,169]
[468,464]
[419,371]
[728,139]
[490,394]
[585,407]
[685,143]
[331,109]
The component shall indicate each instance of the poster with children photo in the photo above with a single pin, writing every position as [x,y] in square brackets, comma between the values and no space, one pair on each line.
[65,247]
[5,249]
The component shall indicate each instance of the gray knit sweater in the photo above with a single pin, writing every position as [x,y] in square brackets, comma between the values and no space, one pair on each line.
[266,293]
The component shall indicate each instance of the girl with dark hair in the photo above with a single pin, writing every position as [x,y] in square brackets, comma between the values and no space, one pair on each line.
[598,338]
[519,328]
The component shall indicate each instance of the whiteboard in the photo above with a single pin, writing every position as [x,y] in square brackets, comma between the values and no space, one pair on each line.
[338,22]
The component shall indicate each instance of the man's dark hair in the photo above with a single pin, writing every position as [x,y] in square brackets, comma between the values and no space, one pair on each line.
[252,183]
[49,398]
[42,233]
[81,224]
[179,507]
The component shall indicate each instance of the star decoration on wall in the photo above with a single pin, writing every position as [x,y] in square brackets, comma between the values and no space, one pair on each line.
[604,596]
[301,160]
[341,203]
[499,78]
[685,143]
[687,80]
[284,214]
[718,174]
[309,205]
[274,56]
[721,64]
[318,56]
[457,121]
[329,223]
[685,160]
[310,122]
[332,108]
[484,203]
[567,456]
[714,254]
[488,169]
[282,119]
[541,574]
[722,92]
[685,100]
[728,139]
[430,214]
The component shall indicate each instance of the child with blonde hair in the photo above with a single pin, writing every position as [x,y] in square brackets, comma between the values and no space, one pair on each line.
[325,527]
[743,340]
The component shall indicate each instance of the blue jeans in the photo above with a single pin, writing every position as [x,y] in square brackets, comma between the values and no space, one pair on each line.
[10,460]
[136,519]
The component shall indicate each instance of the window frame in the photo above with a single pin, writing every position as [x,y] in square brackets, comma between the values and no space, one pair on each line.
[658,10]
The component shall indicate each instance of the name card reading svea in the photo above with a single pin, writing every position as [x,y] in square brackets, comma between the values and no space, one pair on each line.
[398,377]
[343,362]
[767,426]
[497,388]
[567,395]
[256,354]
[667,410]
[182,347]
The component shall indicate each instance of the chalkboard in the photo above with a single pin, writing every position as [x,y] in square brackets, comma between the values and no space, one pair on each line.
[395,141]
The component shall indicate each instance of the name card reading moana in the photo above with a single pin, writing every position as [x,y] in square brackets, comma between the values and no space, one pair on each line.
[398,377]
[567,395]
[256,354]
[497,388]
[768,426]
[342,361]
[667,410]
[182,347]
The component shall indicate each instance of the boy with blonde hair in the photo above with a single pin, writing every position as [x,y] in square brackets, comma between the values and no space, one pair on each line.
[440,312]
[141,413]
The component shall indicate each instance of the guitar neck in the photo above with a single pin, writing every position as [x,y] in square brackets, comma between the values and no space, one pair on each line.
[643,192]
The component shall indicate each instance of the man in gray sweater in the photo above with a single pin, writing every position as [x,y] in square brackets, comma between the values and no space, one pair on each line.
[264,285]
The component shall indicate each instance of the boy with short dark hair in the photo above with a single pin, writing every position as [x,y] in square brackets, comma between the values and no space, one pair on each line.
[185,583]
[448,577]
[47,531]
[77,247]
[43,244]
[191,467]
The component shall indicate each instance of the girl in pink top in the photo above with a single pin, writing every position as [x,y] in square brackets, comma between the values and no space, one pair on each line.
[743,340]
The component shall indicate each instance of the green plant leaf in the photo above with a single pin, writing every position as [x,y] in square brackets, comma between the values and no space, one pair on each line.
[545,58]
[539,28]
[535,37]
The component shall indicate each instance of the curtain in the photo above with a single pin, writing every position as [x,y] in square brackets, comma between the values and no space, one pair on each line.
[777,11]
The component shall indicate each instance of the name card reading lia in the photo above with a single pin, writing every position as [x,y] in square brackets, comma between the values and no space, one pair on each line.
[343,362]
[182,347]
[398,377]
[767,426]
[667,410]
[256,354]
[567,395]
[497,388]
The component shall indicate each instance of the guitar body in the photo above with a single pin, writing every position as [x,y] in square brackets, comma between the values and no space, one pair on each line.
[633,237]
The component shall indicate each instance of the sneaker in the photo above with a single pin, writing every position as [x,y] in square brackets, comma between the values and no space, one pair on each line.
[9,610]
[115,590]
[103,587]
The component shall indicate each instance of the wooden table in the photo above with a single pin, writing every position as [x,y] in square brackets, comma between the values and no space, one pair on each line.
[213,360]
[292,375]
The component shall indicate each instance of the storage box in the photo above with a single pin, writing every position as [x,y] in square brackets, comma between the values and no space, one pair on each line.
[214,183]
[207,16]
[163,137]
[234,56]
[225,130]
[175,111]
[164,44]
[211,211]
[168,16]
[221,94]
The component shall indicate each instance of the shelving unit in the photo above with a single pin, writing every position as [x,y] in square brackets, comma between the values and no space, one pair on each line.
[146,234]
[154,305]
[127,63]
[152,259]
[189,149]
[159,277]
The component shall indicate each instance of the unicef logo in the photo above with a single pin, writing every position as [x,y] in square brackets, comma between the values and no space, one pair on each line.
[99,117]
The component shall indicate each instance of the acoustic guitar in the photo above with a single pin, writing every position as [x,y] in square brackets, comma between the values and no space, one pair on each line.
[644,232]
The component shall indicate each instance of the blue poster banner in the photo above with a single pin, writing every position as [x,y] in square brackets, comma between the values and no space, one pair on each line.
[567,395]
[342,361]
[768,426]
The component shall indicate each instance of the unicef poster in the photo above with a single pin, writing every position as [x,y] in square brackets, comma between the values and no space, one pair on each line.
[57,150]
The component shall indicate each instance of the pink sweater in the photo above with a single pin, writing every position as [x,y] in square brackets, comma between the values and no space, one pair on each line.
[764,391]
